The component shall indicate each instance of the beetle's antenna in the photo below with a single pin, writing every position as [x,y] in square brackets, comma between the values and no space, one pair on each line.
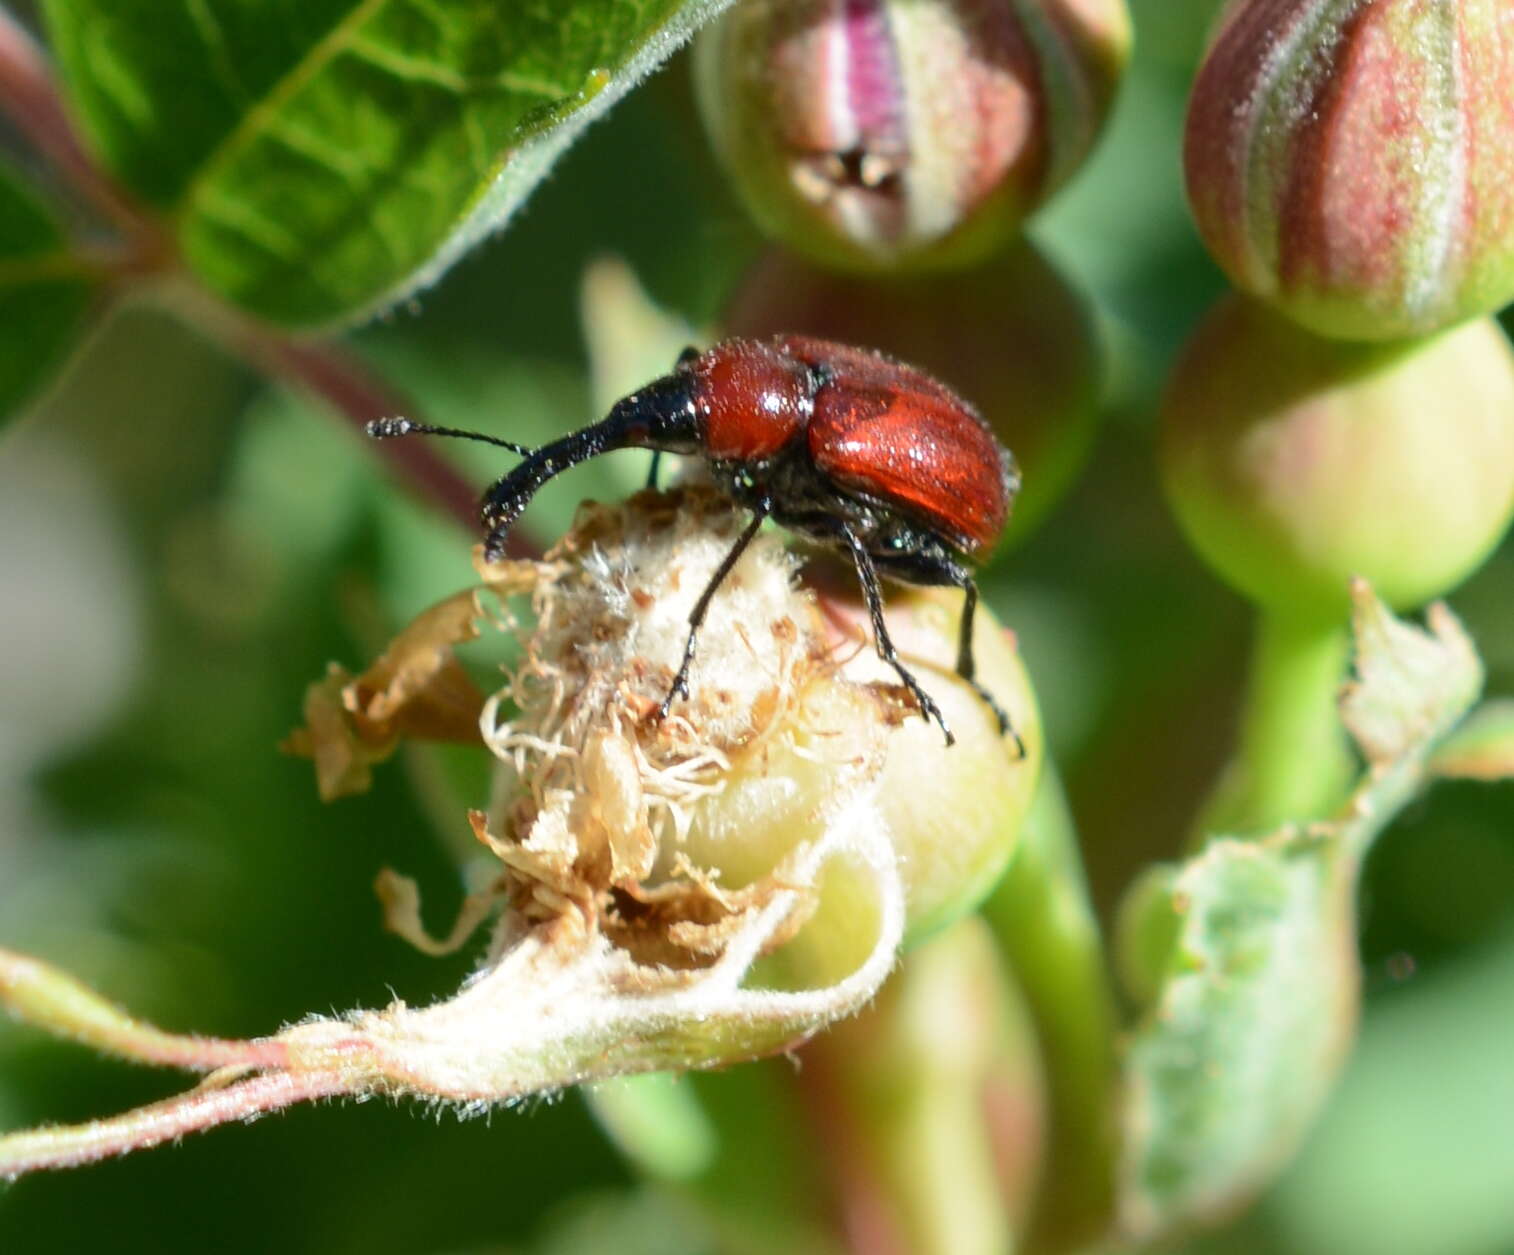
[389,428]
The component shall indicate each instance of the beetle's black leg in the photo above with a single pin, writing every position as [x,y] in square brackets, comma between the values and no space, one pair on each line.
[696,615]
[967,668]
[868,574]
[936,569]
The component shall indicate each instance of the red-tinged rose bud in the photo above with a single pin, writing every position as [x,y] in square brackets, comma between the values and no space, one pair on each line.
[1013,335]
[1352,161]
[1295,462]
[874,133]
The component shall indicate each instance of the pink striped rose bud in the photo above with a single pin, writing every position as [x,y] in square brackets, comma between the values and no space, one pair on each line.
[1352,161]
[875,133]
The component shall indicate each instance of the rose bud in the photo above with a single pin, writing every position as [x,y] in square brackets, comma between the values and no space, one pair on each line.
[1295,462]
[1012,334]
[876,133]
[1353,164]
[796,736]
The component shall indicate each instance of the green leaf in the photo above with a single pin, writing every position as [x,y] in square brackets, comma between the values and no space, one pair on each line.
[322,158]
[44,292]
[1258,1002]
[1258,1005]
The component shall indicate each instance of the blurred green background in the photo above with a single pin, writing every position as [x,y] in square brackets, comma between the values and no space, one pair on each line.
[184,548]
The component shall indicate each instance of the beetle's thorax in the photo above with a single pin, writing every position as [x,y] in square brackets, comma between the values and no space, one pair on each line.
[752,400]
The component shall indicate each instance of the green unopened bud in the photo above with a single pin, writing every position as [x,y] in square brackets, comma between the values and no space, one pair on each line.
[1013,335]
[1295,463]
[873,133]
[1353,162]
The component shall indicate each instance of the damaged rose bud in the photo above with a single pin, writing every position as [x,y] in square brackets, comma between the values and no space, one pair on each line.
[877,133]
[1353,164]
[673,832]
[681,892]
[1295,463]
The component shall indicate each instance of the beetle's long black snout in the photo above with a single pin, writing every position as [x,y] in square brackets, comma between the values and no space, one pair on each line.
[663,415]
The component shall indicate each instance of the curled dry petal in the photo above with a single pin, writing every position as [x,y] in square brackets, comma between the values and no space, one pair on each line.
[672,830]
[416,688]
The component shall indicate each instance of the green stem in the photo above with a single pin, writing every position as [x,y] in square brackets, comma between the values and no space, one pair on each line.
[1294,762]
[898,1103]
[658,1124]
[1045,925]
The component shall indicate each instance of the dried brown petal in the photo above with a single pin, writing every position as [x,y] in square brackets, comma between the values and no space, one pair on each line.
[416,688]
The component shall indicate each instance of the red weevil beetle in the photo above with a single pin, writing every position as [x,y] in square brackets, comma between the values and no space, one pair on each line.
[842,445]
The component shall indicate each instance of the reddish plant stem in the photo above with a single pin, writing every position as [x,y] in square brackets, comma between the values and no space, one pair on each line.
[37,993]
[345,383]
[192,1112]
[29,97]
[868,1224]
[337,376]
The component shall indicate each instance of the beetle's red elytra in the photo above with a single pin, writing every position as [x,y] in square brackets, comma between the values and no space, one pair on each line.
[843,445]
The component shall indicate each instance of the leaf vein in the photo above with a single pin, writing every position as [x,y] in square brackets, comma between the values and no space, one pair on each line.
[420,70]
[256,228]
[255,120]
[221,58]
[320,150]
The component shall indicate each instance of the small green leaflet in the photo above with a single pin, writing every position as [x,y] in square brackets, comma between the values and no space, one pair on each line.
[1258,999]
